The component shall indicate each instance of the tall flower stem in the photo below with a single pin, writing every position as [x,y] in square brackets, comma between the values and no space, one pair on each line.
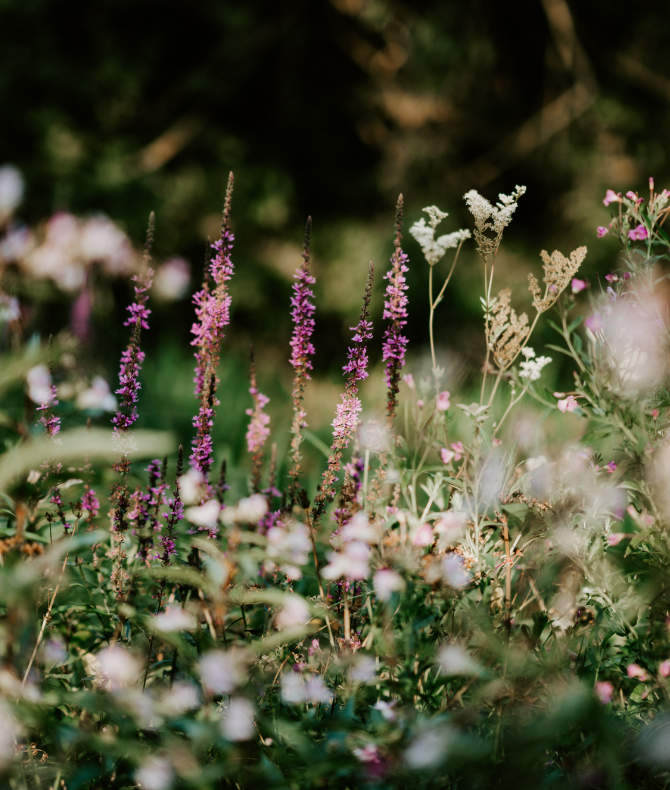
[302,351]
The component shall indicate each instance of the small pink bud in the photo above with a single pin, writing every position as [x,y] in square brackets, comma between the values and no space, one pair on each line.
[604,691]
[601,231]
[611,278]
[568,404]
[651,183]
[577,285]
[631,195]
[664,668]
[636,671]
[611,467]
[443,400]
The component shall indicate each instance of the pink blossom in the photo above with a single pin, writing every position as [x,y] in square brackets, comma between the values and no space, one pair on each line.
[601,231]
[458,449]
[611,467]
[636,671]
[611,278]
[655,413]
[447,456]
[604,691]
[664,668]
[638,234]
[615,538]
[593,322]
[423,535]
[611,197]
[578,285]
[632,195]
[443,400]
[568,404]
[420,403]
[408,378]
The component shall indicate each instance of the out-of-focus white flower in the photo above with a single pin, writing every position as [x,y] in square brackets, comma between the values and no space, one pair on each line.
[429,748]
[205,515]
[180,698]
[117,668]
[387,581]
[171,280]
[155,773]
[422,535]
[294,612]
[222,671]
[53,651]
[97,397]
[289,545]
[364,669]
[174,618]
[237,721]
[100,240]
[9,309]
[351,562]
[455,660]
[373,435]
[295,689]
[39,384]
[251,509]
[10,730]
[359,528]
[386,709]
[454,572]
[191,486]
[11,190]
[449,528]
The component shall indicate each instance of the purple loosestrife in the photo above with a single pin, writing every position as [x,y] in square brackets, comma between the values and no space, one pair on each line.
[173,515]
[259,428]
[302,351]
[349,407]
[48,419]
[212,312]
[395,312]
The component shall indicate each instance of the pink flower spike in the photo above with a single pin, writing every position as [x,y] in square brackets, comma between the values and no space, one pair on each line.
[601,231]
[577,285]
[664,668]
[447,456]
[611,278]
[604,691]
[636,671]
[568,404]
[611,467]
[443,400]
[611,197]
[638,234]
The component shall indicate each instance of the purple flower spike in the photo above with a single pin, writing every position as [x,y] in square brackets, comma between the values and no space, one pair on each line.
[212,312]
[395,312]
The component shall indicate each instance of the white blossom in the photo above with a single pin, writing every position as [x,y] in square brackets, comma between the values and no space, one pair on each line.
[531,367]
[237,722]
[221,671]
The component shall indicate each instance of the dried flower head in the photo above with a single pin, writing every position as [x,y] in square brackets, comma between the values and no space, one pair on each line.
[434,249]
[558,273]
[490,220]
[506,332]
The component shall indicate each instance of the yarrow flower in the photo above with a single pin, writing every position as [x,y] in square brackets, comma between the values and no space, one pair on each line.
[531,367]
[434,249]
[601,231]
[395,312]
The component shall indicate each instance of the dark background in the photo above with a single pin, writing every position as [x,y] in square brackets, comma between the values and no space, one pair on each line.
[328,109]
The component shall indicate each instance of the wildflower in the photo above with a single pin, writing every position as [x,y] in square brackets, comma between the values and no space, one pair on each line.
[395,312]
[458,449]
[442,401]
[132,357]
[638,233]
[454,659]
[423,536]
[601,231]
[350,563]
[491,221]
[611,197]
[205,516]
[172,279]
[90,503]
[387,581]
[636,671]
[258,430]
[568,404]
[97,397]
[447,456]
[289,544]
[294,612]
[611,467]
[664,668]
[222,671]
[506,332]
[611,278]
[558,272]
[302,351]
[116,668]
[615,538]
[531,367]
[364,669]
[604,691]
[39,384]
[593,322]
[296,690]
[237,722]
[408,378]
[434,249]
[453,571]
[212,311]
[11,190]
[174,618]
[155,773]
[349,407]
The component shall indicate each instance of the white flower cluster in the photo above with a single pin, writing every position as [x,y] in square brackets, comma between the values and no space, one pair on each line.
[296,689]
[489,217]
[289,545]
[434,249]
[352,560]
[531,367]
